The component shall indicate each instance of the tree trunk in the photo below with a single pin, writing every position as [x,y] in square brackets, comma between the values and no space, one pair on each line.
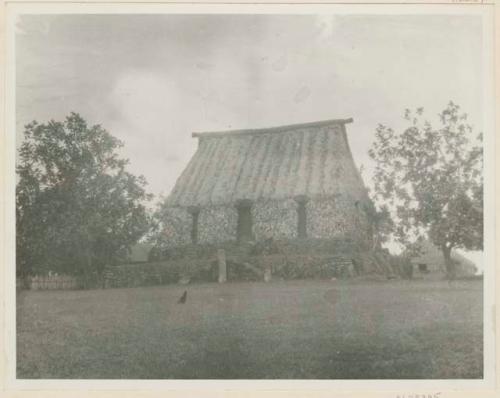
[88,269]
[451,271]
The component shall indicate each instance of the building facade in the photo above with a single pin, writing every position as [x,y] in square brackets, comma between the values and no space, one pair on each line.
[289,182]
[430,261]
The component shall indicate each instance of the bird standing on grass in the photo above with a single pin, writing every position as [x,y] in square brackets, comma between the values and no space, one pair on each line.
[183,298]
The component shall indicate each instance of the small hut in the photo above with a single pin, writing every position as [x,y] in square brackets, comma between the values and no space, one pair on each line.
[290,182]
[139,253]
[430,261]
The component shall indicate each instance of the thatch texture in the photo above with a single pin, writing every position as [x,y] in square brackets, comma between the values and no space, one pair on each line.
[307,159]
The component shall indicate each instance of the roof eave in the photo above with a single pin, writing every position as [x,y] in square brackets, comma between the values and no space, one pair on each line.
[271,129]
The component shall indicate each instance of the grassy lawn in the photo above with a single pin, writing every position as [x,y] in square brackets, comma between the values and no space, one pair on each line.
[279,330]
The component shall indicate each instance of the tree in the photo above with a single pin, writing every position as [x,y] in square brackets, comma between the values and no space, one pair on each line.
[431,180]
[77,207]
[156,235]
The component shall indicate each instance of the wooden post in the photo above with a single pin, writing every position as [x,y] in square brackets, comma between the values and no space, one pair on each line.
[267,273]
[351,270]
[221,259]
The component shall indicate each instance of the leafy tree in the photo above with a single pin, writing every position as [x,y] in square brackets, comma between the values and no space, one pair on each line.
[431,180]
[156,235]
[77,207]
[380,223]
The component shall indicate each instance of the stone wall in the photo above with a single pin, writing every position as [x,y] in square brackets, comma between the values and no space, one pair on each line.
[217,224]
[276,219]
[331,217]
[158,273]
[178,223]
[239,268]
[327,218]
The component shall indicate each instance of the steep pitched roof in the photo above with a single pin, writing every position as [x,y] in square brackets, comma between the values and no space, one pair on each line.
[311,159]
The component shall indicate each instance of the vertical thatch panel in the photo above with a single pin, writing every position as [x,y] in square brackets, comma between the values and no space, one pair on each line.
[304,160]
[184,187]
[285,178]
[224,189]
[270,176]
[203,184]
[254,155]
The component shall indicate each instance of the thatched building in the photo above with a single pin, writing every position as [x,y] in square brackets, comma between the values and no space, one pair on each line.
[430,261]
[289,182]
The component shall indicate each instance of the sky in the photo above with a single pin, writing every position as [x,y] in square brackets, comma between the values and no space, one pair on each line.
[152,80]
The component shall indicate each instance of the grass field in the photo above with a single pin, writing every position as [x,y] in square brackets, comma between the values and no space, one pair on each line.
[279,330]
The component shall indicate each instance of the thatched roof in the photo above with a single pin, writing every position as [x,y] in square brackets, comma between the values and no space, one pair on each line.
[311,159]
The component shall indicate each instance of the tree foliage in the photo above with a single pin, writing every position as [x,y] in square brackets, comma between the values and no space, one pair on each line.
[156,235]
[431,180]
[77,207]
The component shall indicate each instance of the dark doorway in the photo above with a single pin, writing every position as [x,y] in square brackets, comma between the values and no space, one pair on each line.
[301,216]
[244,227]
[301,220]
[195,214]
[423,268]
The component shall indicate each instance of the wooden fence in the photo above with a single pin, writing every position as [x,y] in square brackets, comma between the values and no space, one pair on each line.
[53,282]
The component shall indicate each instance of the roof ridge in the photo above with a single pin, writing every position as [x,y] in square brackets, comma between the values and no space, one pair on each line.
[267,130]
